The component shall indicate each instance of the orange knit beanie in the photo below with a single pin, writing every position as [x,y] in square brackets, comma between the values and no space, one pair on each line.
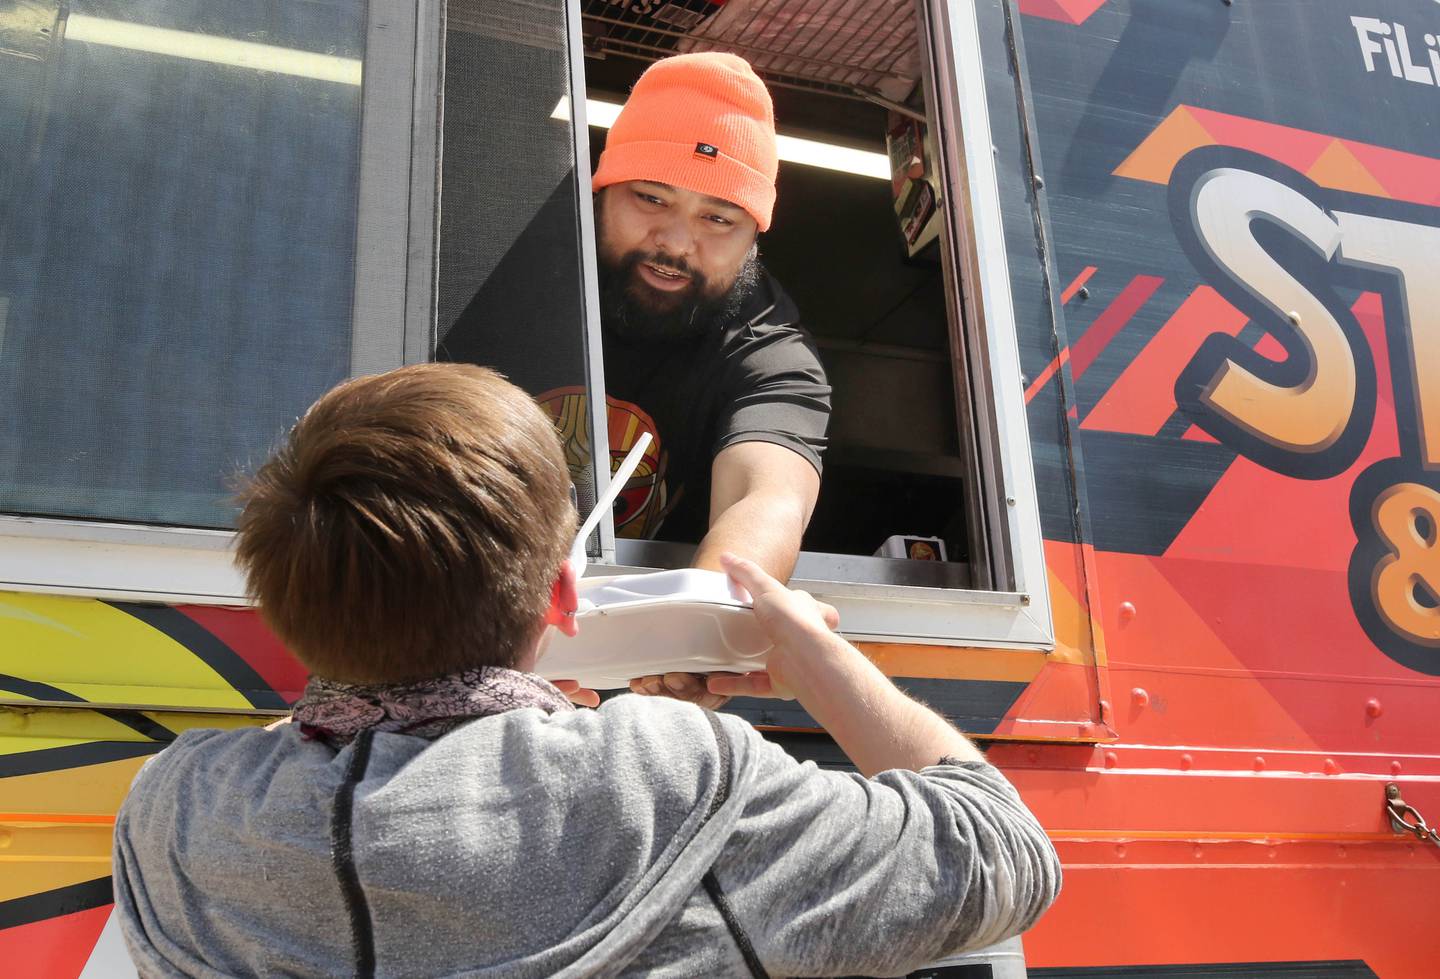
[703,122]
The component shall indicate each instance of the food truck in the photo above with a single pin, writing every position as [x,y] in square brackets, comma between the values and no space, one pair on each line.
[1131,310]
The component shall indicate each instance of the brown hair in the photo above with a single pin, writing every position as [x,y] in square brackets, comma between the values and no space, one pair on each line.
[411,525]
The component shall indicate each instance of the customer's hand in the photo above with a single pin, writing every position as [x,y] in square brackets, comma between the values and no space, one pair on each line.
[796,623]
[689,687]
[583,696]
[871,719]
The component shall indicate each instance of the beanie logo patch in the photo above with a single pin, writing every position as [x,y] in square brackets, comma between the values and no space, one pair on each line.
[704,151]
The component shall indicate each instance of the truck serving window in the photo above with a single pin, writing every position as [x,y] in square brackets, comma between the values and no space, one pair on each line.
[875,237]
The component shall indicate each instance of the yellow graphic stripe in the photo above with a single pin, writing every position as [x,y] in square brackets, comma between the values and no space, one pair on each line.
[23,878]
[23,729]
[43,858]
[90,789]
[35,729]
[100,654]
[56,827]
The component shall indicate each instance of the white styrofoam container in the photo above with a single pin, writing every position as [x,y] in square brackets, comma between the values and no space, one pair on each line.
[687,620]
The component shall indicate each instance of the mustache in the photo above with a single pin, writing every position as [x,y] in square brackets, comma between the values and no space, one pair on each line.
[667,262]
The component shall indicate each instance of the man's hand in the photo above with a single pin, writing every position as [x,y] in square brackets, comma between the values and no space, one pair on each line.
[582,696]
[689,687]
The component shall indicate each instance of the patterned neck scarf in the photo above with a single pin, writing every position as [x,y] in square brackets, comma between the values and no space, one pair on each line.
[336,712]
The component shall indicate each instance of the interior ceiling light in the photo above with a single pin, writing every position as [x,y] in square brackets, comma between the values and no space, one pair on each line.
[217,50]
[792,149]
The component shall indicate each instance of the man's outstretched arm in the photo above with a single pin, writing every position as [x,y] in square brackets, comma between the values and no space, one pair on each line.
[761,499]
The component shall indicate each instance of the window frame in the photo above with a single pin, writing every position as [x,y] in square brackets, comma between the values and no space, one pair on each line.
[395,282]
[602,545]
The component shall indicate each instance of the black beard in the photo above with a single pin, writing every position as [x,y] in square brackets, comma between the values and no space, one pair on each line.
[629,309]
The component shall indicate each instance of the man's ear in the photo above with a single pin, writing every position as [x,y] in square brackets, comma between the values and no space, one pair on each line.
[564,600]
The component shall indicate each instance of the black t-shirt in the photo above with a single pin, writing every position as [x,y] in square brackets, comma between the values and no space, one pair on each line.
[757,380]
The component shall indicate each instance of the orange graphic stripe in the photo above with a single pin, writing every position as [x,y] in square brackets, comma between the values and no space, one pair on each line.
[1142,399]
[1330,161]
[1072,12]
[1064,357]
[1075,286]
[955,663]
[1107,326]
[58,818]
[1045,375]
[1180,835]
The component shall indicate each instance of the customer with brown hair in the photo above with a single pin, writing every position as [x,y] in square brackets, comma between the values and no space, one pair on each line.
[438,809]
[412,521]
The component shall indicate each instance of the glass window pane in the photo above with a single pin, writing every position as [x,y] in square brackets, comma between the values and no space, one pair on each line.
[177,236]
[511,291]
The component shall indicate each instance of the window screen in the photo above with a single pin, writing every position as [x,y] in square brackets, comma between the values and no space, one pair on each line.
[511,292]
[177,234]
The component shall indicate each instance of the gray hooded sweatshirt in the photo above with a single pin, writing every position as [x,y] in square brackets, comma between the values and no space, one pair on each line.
[648,837]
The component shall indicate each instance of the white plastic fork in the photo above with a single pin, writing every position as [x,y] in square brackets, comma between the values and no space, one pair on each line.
[578,557]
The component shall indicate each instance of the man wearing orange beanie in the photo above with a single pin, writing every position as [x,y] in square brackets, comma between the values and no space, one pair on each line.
[703,348]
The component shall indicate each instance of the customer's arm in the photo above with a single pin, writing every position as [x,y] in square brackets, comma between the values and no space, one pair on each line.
[872,721]
[833,873]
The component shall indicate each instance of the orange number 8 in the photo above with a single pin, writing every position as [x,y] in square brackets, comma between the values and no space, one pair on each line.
[1407,517]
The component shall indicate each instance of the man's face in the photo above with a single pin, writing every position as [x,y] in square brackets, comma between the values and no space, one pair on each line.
[672,262]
